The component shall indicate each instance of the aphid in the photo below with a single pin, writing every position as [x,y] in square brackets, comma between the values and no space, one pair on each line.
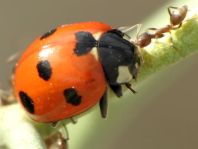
[177,15]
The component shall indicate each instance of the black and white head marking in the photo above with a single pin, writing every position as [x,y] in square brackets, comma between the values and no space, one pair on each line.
[117,55]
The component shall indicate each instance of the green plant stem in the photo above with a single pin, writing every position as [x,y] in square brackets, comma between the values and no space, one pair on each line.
[175,46]
[16,131]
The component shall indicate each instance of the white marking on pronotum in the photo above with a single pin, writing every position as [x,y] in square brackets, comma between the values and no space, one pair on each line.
[94,52]
[97,35]
[124,75]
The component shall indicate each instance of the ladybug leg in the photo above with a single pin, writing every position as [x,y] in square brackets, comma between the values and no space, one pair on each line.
[64,131]
[61,127]
[73,120]
[103,105]
[128,85]
[117,89]
[54,124]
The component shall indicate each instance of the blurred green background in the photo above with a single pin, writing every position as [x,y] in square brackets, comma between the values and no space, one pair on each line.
[163,115]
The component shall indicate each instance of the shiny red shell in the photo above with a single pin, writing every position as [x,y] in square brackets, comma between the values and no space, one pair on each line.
[68,70]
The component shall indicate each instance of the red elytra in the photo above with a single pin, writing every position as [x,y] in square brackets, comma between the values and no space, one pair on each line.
[49,72]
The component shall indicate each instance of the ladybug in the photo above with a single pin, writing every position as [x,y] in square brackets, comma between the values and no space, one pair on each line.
[69,69]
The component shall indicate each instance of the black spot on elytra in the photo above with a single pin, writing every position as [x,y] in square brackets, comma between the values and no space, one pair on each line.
[84,42]
[72,97]
[44,70]
[47,34]
[27,102]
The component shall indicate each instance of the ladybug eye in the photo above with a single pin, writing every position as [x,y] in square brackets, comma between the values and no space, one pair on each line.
[27,102]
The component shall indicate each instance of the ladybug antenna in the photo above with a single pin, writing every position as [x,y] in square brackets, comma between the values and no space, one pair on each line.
[127,30]
[128,85]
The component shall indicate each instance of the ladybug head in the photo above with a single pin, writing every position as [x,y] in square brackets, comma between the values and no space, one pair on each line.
[119,57]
